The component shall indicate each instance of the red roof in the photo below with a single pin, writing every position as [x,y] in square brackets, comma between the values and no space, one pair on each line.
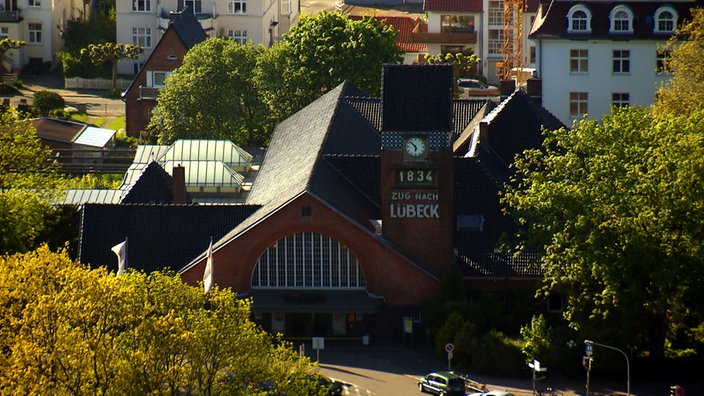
[453,5]
[403,26]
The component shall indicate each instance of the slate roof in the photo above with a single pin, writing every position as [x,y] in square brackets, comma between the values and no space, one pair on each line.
[552,21]
[159,236]
[152,186]
[187,27]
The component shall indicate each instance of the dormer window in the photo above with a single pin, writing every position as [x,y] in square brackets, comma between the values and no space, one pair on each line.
[621,20]
[665,20]
[579,19]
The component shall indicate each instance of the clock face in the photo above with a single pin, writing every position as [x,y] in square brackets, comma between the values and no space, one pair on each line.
[416,147]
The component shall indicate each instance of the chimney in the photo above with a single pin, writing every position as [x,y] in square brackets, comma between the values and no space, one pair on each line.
[506,87]
[534,89]
[178,187]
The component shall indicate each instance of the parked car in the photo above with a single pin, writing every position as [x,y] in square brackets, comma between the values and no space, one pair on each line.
[444,383]
[492,393]
[469,87]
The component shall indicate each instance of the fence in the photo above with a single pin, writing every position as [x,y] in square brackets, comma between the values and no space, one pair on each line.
[95,83]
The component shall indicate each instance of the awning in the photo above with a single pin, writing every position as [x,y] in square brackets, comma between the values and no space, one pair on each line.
[320,301]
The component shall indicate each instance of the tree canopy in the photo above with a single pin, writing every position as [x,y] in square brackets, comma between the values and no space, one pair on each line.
[112,53]
[616,207]
[27,181]
[7,44]
[212,96]
[68,329]
[241,92]
[684,93]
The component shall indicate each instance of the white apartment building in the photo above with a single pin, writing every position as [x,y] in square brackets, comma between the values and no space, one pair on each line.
[592,55]
[37,22]
[142,22]
[475,27]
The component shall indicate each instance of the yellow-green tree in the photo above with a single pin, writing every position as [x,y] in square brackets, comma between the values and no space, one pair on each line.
[112,52]
[684,93]
[462,65]
[68,329]
[7,44]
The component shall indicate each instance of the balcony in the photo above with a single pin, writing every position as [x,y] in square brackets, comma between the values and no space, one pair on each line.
[420,35]
[148,92]
[10,16]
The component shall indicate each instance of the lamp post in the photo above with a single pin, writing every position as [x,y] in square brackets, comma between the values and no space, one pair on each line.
[628,365]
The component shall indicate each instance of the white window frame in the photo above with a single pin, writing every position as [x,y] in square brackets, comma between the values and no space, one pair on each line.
[142,37]
[238,36]
[495,44]
[141,5]
[496,13]
[196,6]
[579,104]
[619,16]
[577,19]
[661,18]
[620,99]
[621,61]
[4,32]
[34,30]
[286,7]
[662,57]
[34,3]
[152,78]
[237,7]
[579,61]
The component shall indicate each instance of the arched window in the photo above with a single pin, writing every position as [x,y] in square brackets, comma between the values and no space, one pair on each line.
[306,261]
[665,20]
[579,19]
[621,20]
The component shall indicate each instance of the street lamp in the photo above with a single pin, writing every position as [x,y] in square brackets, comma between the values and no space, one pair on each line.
[628,365]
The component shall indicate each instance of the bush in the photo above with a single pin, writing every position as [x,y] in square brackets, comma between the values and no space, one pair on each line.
[46,101]
[7,89]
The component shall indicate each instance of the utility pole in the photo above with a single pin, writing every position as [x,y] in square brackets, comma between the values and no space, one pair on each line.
[588,345]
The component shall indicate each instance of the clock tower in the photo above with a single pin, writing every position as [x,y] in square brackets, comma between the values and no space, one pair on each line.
[417,174]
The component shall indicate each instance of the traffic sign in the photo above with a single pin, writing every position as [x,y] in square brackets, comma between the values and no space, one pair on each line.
[449,347]
[588,349]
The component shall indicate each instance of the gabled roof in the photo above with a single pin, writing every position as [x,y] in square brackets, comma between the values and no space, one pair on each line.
[153,185]
[403,25]
[206,150]
[57,130]
[187,27]
[159,236]
[453,5]
[95,137]
[552,21]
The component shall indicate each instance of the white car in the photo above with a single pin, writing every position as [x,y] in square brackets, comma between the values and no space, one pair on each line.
[492,393]
[469,87]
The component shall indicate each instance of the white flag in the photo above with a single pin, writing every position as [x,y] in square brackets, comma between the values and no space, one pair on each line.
[208,273]
[121,251]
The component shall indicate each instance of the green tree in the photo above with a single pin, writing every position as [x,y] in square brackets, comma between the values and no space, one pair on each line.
[46,101]
[112,53]
[324,50]
[684,93]
[79,34]
[212,96]
[67,329]
[7,44]
[28,179]
[462,65]
[616,209]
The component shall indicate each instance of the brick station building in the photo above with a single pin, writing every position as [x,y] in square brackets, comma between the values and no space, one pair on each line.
[360,208]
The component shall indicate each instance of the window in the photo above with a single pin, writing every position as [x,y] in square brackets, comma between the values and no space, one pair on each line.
[621,20]
[142,37]
[308,261]
[579,61]
[496,13]
[495,41]
[141,5]
[579,19]
[665,20]
[662,64]
[240,36]
[195,5]
[4,32]
[456,49]
[531,58]
[35,33]
[578,104]
[157,79]
[620,99]
[237,7]
[34,3]
[285,7]
[457,24]
[621,61]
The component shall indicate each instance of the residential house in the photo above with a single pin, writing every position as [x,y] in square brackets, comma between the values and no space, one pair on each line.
[413,52]
[74,144]
[360,208]
[143,22]
[39,23]
[593,54]
[476,27]
[184,31]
